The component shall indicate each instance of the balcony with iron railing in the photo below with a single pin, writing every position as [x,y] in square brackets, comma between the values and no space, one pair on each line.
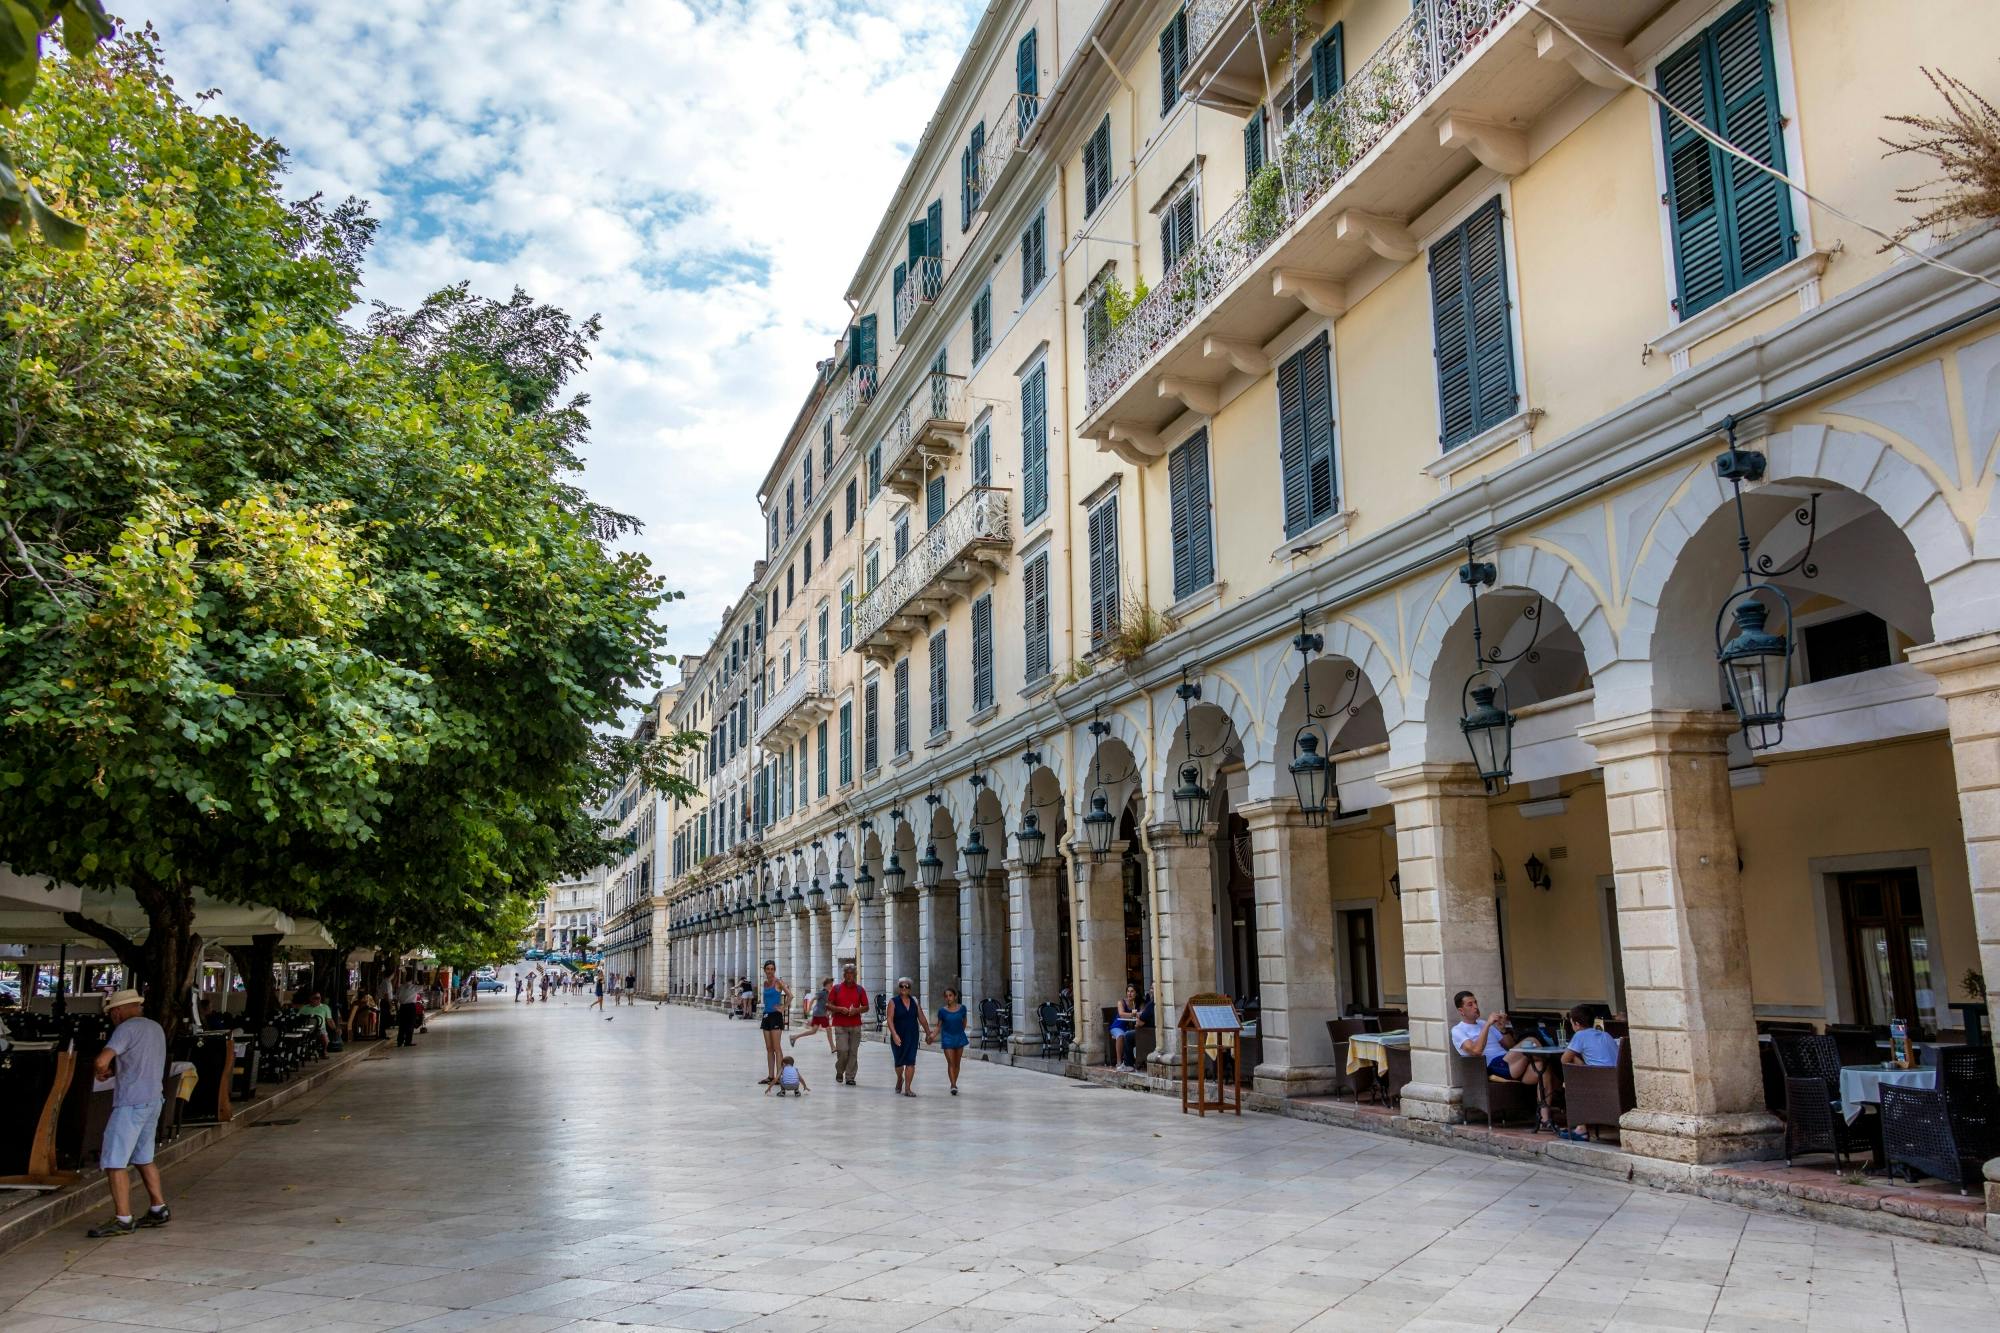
[973,538]
[791,710]
[921,285]
[1455,86]
[855,394]
[1008,140]
[927,432]
[1229,49]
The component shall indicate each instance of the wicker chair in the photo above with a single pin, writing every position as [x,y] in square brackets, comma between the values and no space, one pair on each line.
[1492,1097]
[1920,1132]
[1813,1122]
[995,1024]
[1055,1031]
[1856,1044]
[1596,1097]
[1390,1087]
[1965,1076]
[1338,1030]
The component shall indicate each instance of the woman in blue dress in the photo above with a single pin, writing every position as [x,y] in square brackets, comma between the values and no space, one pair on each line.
[951,1035]
[906,1016]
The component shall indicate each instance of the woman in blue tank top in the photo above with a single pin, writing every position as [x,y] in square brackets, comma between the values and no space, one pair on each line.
[777,999]
[951,1037]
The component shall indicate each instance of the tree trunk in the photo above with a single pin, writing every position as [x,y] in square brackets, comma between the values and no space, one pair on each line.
[172,951]
[256,963]
[329,978]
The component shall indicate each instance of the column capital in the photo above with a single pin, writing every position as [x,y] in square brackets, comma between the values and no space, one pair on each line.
[1675,730]
[1080,852]
[1431,778]
[1166,835]
[1272,812]
[1962,666]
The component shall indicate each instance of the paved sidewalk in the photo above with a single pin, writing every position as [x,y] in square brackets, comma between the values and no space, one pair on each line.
[541,1168]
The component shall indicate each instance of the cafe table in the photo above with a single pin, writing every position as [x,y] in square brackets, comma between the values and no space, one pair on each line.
[1861,1085]
[1372,1048]
[1545,1081]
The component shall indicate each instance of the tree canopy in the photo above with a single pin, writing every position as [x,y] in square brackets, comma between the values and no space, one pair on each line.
[303,611]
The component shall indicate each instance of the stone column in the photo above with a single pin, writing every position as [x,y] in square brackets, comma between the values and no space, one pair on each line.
[1451,921]
[1680,927]
[983,930]
[1968,675]
[794,968]
[824,963]
[1099,915]
[1297,989]
[937,923]
[905,952]
[1032,922]
[872,968]
[1184,908]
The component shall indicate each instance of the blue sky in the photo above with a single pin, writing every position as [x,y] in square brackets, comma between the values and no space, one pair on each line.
[703,175]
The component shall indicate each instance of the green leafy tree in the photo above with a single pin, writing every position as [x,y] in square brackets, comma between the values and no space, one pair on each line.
[301,616]
[24,26]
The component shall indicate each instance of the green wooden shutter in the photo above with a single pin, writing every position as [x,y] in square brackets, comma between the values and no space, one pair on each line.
[1026,75]
[982,456]
[896,285]
[1318,386]
[821,754]
[1187,488]
[1034,445]
[865,342]
[965,188]
[1035,616]
[871,726]
[933,502]
[1104,570]
[1329,65]
[917,241]
[1177,228]
[1451,341]
[1173,60]
[940,714]
[1693,193]
[903,706]
[1097,167]
[933,271]
[1253,145]
[846,741]
[1760,206]
[1292,443]
[1494,399]
[982,652]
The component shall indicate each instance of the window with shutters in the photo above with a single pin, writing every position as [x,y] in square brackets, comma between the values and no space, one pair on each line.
[789,571]
[1317,80]
[1472,327]
[933,502]
[982,455]
[1027,77]
[846,741]
[1034,254]
[806,554]
[871,725]
[1097,167]
[982,324]
[826,447]
[1306,437]
[805,776]
[853,503]
[1173,60]
[902,708]
[1035,616]
[897,281]
[826,534]
[1035,444]
[902,531]
[982,652]
[791,514]
[874,470]
[1177,226]
[846,614]
[1104,570]
[969,185]
[940,712]
[820,751]
[774,532]
[872,569]
[1254,146]
[806,480]
[825,621]
[1731,223]
[1189,520]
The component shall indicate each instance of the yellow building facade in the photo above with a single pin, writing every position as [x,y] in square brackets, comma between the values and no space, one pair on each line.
[1234,387]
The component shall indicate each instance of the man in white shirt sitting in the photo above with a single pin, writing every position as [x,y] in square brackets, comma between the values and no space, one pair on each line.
[1489,1038]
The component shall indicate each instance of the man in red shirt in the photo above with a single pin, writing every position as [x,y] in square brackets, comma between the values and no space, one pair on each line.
[849,1002]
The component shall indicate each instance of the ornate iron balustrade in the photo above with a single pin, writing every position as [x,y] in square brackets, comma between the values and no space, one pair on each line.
[1004,138]
[921,287]
[1317,153]
[809,681]
[934,415]
[857,393]
[1205,19]
[977,521]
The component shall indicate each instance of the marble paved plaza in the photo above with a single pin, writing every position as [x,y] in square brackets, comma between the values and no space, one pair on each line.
[533,1168]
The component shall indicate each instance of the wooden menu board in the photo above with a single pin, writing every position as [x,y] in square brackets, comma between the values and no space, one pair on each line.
[1211,1030]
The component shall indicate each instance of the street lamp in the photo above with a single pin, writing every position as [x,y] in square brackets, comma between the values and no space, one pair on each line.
[1031,840]
[837,890]
[816,897]
[864,884]
[1191,797]
[975,856]
[893,874]
[1488,725]
[1100,824]
[1312,770]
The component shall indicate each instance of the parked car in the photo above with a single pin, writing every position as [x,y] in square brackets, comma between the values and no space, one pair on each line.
[486,984]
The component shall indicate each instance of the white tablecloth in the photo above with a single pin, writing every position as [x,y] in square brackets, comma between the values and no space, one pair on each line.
[1860,1085]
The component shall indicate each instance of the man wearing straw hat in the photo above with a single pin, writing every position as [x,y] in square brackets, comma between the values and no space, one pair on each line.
[136,1056]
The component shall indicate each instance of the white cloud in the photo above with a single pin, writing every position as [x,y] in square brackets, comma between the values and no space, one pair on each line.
[604,155]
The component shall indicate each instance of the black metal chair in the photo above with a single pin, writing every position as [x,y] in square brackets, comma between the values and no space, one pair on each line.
[1856,1044]
[1921,1132]
[1813,1122]
[1055,1033]
[1965,1077]
[995,1022]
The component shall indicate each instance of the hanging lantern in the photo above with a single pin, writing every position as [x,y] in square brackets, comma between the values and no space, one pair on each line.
[1489,732]
[930,867]
[837,890]
[1756,665]
[816,897]
[1191,804]
[864,884]
[975,857]
[1312,775]
[893,874]
[1030,841]
[798,899]
[1099,825]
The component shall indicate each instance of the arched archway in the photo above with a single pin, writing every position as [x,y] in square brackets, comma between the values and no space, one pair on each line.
[1040,951]
[1112,899]
[983,910]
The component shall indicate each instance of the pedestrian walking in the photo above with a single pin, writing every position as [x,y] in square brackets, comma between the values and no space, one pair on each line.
[517,988]
[631,988]
[818,1016]
[777,998]
[846,1002]
[598,1003]
[906,1016]
[136,1057]
[548,984]
[409,1014]
[951,1037]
